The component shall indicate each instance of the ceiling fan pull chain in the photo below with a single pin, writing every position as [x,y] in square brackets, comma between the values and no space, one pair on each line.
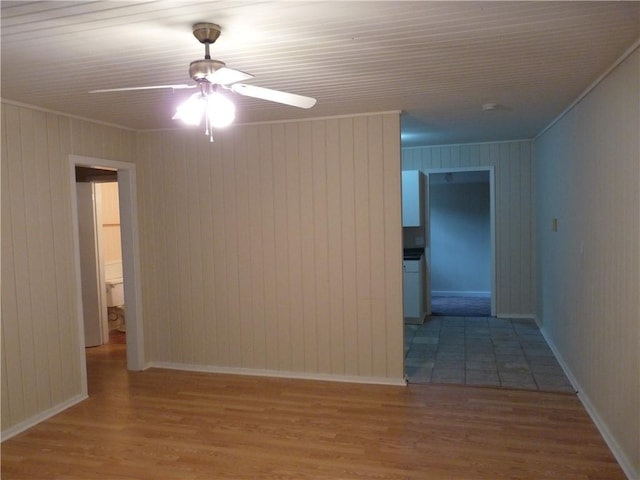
[208,130]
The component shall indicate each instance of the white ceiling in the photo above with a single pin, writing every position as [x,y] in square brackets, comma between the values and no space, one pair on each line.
[438,62]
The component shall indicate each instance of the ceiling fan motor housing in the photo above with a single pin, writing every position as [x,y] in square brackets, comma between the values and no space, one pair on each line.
[199,70]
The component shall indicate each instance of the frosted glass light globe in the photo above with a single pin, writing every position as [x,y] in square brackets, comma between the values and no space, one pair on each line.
[221,111]
[192,110]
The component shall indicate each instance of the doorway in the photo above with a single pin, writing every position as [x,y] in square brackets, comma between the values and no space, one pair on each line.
[461,241]
[100,256]
[126,175]
[460,252]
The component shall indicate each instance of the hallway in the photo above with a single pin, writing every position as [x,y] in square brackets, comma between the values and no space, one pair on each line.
[482,351]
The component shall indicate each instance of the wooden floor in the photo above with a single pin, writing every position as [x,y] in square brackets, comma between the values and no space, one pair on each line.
[161,424]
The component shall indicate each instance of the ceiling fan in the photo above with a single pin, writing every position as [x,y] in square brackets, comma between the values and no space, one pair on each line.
[210,76]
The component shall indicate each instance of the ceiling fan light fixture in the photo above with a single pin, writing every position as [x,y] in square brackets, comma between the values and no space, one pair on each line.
[216,109]
[209,75]
[221,112]
[191,111]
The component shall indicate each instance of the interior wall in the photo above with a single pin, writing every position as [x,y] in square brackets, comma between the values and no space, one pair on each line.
[513,195]
[40,347]
[587,173]
[111,222]
[277,247]
[460,227]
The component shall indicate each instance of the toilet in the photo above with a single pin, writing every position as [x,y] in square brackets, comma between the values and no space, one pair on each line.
[115,296]
[115,292]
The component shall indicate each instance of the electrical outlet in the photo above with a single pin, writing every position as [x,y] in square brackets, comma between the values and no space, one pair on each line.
[554,225]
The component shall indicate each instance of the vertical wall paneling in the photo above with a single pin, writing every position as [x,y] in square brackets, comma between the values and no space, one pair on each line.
[245,290]
[255,321]
[221,320]
[375,178]
[514,209]
[349,261]
[30,262]
[363,247]
[188,246]
[393,244]
[59,148]
[197,219]
[40,347]
[319,216]
[336,255]
[4,185]
[232,247]
[282,248]
[295,289]
[169,165]
[45,337]
[308,240]
[12,285]
[284,228]
[587,172]
[157,283]
[266,193]
[206,221]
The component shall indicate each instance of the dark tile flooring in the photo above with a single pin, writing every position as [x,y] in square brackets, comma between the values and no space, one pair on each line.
[481,351]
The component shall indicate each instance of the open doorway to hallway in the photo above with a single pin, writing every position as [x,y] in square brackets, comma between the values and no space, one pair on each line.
[100,256]
[460,241]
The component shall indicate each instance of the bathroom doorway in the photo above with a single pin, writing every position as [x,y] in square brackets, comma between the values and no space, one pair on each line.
[100,256]
[128,268]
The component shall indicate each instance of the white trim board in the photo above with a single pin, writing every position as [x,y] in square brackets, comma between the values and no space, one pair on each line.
[327,377]
[527,316]
[458,293]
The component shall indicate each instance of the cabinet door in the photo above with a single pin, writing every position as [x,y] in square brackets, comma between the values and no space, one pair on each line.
[412,289]
[411,199]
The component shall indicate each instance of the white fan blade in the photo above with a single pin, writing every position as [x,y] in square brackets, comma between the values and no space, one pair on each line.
[151,87]
[274,95]
[227,76]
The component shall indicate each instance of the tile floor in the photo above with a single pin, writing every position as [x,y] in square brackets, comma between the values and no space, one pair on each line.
[497,352]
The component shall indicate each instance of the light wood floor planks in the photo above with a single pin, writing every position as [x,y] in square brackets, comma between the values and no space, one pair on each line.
[161,424]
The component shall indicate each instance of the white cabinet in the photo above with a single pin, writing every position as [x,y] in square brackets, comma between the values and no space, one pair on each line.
[413,290]
[412,198]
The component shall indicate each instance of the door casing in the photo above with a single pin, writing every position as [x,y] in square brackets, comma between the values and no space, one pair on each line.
[130,259]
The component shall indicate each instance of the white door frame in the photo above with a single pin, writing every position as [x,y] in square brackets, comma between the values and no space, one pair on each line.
[130,258]
[492,220]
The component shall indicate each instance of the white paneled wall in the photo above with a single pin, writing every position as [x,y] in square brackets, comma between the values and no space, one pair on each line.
[513,195]
[587,169]
[277,247]
[40,354]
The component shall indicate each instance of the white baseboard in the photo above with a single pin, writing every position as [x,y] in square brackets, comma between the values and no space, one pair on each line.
[40,417]
[528,316]
[279,374]
[609,439]
[458,293]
